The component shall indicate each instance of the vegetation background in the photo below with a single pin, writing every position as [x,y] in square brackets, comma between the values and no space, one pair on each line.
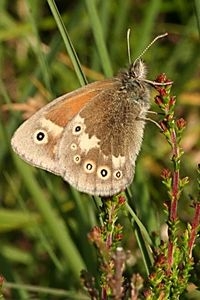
[43,221]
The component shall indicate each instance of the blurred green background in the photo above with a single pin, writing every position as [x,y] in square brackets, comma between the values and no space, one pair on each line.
[43,221]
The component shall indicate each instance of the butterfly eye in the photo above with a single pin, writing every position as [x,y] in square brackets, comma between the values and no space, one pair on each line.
[103,172]
[77,159]
[40,136]
[73,146]
[77,129]
[118,174]
[89,166]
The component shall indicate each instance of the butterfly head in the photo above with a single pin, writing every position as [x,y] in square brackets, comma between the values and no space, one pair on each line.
[134,85]
[138,70]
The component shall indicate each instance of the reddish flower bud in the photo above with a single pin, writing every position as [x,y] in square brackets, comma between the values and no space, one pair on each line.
[160,260]
[181,123]
[121,199]
[94,234]
[166,174]
[158,100]
[2,279]
[119,236]
[172,101]
[162,78]
[163,92]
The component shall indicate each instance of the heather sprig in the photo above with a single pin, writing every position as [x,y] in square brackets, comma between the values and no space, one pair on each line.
[107,240]
[173,258]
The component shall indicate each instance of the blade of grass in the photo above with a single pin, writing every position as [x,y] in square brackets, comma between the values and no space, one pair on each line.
[143,239]
[68,44]
[30,89]
[38,51]
[105,16]
[197,12]
[120,27]
[49,291]
[34,226]
[99,38]
[147,26]
[139,223]
[14,220]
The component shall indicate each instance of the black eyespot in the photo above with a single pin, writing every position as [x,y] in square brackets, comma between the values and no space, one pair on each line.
[73,146]
[118,174]
[77,128]
[40,136]
[77,159]
[89,167]
[104,172]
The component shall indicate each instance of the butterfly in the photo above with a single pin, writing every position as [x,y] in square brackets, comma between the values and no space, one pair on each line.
[92,136]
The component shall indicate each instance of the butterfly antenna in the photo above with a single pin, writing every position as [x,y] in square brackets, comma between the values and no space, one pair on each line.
[154,40]
[128,45]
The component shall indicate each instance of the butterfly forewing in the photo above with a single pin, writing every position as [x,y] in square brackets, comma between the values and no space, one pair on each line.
[37,139]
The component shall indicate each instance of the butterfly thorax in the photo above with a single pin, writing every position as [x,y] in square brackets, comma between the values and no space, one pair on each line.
[133,85]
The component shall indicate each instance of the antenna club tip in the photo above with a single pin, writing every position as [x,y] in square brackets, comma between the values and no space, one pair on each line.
[164,34]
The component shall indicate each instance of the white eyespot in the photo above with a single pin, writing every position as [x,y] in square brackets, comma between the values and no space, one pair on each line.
[77,159]
[77,129]
[89,166]
[40,137]
[103,172]
[73,147]
[118,174]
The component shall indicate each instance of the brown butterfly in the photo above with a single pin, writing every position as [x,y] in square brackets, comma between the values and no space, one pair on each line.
[91,136]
